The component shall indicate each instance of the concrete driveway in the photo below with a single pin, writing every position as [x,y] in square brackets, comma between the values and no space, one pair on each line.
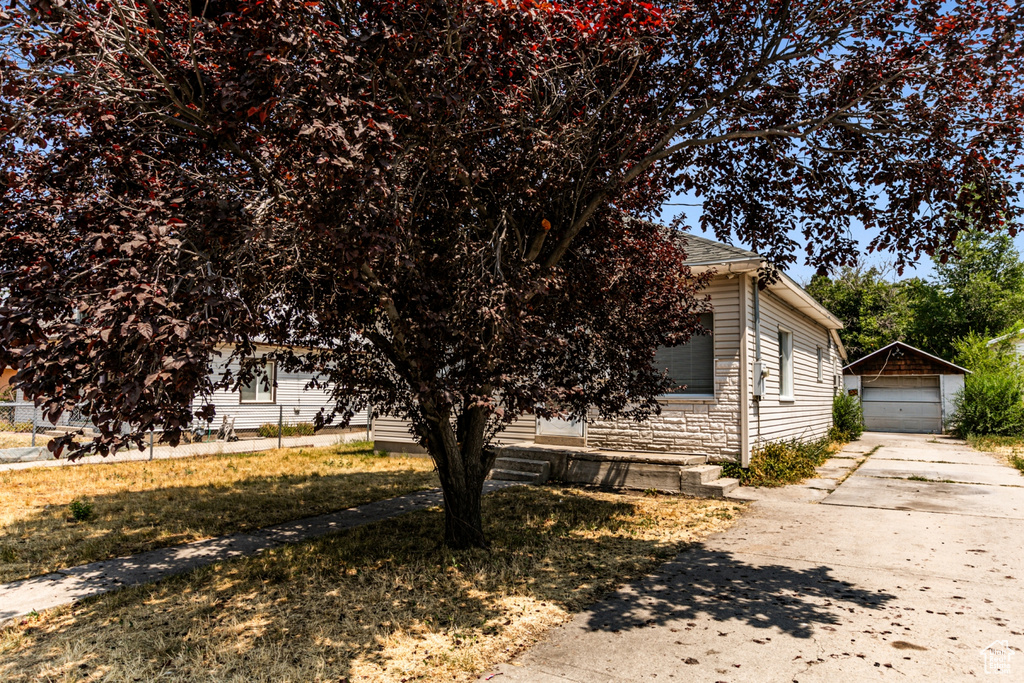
[867,573]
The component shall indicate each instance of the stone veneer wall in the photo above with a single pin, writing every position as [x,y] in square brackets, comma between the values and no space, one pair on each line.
[708,427]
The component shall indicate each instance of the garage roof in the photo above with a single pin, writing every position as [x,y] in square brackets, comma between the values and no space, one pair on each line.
[902,359]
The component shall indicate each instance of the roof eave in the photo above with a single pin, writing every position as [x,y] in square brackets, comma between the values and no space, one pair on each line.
[795,295]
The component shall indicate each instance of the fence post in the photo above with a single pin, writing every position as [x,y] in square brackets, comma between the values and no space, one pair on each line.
[369,423]
[151,432]
[280,424]
[34,410]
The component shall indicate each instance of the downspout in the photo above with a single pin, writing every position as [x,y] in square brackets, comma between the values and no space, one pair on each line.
[757,322]
[757,352]
[745,373]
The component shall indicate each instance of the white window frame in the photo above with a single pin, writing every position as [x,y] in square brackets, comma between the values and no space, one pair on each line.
[821,365]
[700,398]
[261,391]
[785,368]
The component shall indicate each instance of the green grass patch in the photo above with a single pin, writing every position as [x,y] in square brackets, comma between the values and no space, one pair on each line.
[781,463]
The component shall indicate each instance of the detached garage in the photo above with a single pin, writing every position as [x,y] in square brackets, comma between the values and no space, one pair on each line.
[903,389]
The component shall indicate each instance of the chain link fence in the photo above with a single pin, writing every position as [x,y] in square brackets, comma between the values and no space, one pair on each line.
[238,429]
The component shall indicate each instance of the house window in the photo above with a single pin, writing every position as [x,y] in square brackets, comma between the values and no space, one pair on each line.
[262,388]
[785,365]
[691,367]
[821,365]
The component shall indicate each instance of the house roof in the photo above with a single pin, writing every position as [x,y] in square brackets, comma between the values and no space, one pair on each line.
[886,353]
[1018,333]
[702,251]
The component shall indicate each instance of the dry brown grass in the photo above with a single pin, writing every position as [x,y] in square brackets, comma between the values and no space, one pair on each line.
[380,603]
[143,505]
[19,440]
[1011,447]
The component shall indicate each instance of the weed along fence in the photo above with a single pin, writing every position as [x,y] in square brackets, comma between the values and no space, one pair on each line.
[236,429]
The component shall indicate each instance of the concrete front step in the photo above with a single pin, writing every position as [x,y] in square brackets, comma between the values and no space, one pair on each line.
[697,475]
[719,488]
[523,465]
[517,475]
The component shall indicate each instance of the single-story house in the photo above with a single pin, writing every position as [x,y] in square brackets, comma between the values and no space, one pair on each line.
[285,399]
[768,372]
[904,389]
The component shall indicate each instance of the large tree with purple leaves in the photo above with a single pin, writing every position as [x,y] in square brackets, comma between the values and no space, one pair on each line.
[439,197]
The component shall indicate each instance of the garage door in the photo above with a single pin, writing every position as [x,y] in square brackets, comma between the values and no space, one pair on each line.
[902,404]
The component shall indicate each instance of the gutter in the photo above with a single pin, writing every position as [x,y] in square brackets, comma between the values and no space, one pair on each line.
[725,267]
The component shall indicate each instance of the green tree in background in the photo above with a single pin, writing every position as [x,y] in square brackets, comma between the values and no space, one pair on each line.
[982,292]
[875,310]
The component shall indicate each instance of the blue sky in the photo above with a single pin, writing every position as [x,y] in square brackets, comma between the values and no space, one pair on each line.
[800,271]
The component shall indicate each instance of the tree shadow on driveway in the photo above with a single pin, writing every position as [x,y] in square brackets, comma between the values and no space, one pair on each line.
[703,582]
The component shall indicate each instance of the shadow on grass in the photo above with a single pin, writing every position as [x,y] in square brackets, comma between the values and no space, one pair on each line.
[131,521]
[387,601]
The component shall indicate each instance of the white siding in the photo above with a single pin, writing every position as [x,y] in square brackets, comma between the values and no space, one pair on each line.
[809,415]
[293,401]
[692,426]
[396,430]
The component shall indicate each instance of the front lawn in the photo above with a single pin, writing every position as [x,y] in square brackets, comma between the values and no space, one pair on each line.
[134,506]
[380,603]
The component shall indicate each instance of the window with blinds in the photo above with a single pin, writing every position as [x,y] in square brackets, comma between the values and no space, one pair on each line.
[692,365]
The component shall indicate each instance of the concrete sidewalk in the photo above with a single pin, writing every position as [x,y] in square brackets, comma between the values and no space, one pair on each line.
[20,598]
[867,586]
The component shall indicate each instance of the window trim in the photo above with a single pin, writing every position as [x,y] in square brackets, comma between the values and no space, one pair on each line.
[821,365]
[786,370]
[700,398]
[272,365]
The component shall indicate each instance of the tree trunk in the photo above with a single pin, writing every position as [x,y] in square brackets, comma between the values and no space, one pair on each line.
[463,520]
[462,465]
